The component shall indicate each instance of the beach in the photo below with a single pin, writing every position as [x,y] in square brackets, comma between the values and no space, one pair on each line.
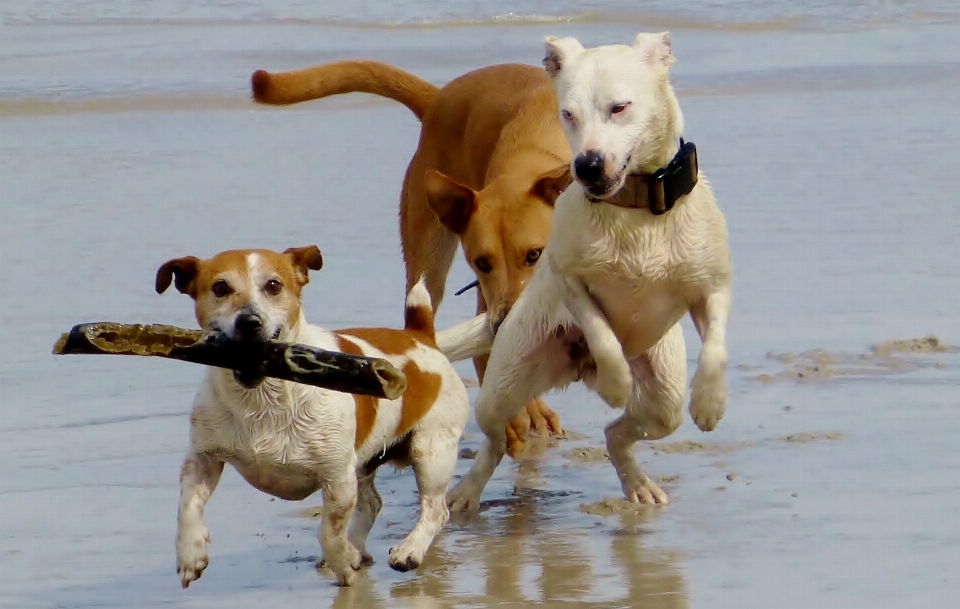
[829,135]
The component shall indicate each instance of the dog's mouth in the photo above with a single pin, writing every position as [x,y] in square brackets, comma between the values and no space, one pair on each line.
[248,379]
[251,379]
[256,338]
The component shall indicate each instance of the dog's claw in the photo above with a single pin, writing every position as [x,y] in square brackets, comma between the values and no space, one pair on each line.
[707,401]
[192,557]
[347,563]
[401,563]
[646,493]
[365,561]
[462,499]
[537,418]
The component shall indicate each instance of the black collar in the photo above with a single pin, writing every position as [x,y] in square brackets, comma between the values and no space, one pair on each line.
[659,191]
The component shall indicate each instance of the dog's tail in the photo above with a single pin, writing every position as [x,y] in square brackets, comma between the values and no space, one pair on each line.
[467,340]
[418,314]
[344,77]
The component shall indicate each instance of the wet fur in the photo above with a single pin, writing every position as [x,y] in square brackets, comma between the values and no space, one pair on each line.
[622,278]
[292,440]
[491,161]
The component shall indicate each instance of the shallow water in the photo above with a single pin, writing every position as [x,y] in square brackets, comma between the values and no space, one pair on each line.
[827,130]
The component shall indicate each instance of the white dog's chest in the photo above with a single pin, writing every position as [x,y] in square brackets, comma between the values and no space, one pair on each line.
[276,460]
[284,451]
[288,482]
[639,310]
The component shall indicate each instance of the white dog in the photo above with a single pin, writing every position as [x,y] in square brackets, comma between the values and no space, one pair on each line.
[289,439]
[638,241]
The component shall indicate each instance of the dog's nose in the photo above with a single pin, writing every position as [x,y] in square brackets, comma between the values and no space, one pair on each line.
[248,324]
[589,166]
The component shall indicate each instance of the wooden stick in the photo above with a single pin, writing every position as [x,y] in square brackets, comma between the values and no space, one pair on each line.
[288,361]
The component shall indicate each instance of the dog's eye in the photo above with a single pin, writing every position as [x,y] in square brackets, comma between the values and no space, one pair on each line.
[567,115]
[273,287]
[483,265]
[618,108]
[221,288]
[534,255]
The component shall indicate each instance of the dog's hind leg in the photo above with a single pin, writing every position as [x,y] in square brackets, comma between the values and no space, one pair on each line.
[429,248]
[515,374]
[653,412]
[708,395]
[365,515]
[434,453]
[339,499]
[198,479]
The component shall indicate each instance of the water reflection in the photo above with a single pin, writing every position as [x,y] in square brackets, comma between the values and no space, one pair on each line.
[536,550]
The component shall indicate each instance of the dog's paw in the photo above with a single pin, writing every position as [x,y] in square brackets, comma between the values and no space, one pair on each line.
[536,418]
[365,561]
[345,563]
[708,400]
[192,556]
[464,497]
[646,492]
[403,558]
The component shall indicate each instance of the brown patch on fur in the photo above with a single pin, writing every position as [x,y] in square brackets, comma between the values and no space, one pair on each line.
[366,418]
[420,320]
[420,396]
[391,342]
[366,405]
[231,265]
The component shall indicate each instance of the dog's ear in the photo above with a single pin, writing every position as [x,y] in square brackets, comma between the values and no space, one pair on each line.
[305,259]
[558,51]
[453,202]
[655,48]
[182,272]
[550,184]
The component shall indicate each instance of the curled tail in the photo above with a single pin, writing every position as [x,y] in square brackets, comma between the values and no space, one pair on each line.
[418,314]
[344,77]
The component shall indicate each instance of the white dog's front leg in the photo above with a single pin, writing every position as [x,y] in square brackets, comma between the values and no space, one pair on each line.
[708,396]
[528,358]
[198,478]
[614,381]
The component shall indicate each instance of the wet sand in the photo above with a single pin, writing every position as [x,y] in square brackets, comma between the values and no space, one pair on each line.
[828,133]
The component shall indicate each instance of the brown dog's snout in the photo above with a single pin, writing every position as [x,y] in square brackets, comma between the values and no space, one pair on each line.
[495,326]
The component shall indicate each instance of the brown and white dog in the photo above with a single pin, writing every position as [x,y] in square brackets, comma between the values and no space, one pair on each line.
[491,162]
[289,439]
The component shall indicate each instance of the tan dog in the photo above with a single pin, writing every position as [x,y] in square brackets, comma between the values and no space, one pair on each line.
[491,162]
[291,440]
